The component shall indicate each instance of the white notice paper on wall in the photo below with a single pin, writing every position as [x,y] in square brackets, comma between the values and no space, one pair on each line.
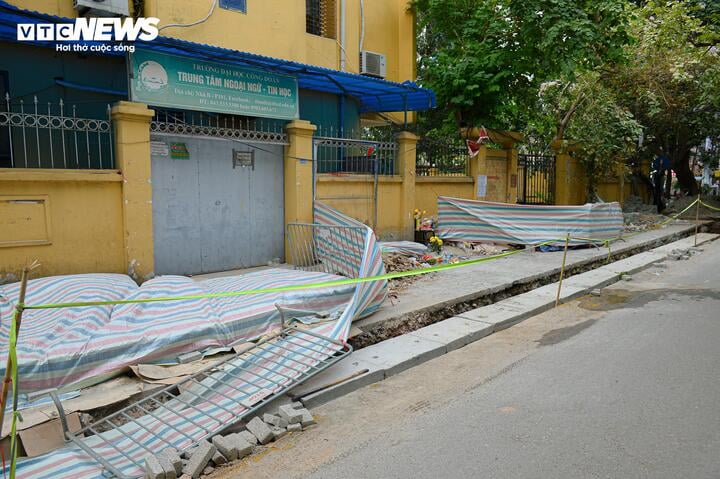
[159,148]
[481,186]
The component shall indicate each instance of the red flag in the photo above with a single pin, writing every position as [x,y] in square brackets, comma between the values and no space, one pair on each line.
[371,150]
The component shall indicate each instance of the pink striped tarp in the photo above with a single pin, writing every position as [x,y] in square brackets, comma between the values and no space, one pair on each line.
[484,221]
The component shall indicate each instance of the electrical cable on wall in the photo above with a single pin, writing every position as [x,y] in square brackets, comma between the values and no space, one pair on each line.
[185,25]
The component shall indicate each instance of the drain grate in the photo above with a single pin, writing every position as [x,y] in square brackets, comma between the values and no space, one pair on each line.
[206,403]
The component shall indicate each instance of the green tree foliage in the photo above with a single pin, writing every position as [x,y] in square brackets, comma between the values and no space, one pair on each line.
[602,132]
[671,82]
[485,59]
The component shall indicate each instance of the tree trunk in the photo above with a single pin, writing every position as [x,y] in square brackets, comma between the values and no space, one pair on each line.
[681,166]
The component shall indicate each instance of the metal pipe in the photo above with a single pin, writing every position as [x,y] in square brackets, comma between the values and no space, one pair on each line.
[342,34]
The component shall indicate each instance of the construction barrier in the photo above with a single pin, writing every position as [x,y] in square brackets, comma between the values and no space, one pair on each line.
[370,287]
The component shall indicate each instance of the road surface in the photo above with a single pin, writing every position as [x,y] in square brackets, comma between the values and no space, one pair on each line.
[622,385]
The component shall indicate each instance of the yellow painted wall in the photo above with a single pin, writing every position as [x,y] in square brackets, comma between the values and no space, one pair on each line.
[361,186]
[82,219]
[277,28]
[427,190]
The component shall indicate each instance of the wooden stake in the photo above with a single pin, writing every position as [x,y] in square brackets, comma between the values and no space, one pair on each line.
[17,319]
[562,270]
[697,218]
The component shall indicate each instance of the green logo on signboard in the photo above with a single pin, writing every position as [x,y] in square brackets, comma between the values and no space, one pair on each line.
[152,76]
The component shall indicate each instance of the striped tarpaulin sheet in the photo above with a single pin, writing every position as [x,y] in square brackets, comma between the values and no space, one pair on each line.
[484,221]
[60,347]
[410,248]
[211,413]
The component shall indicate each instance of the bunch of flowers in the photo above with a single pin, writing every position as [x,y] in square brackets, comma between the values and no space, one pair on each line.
[418,215]
[436,244]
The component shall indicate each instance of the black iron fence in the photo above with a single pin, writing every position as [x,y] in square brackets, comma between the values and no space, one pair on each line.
[44,135]
[536,179]
[442,158]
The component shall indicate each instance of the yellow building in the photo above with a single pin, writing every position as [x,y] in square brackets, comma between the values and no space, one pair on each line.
[191,152]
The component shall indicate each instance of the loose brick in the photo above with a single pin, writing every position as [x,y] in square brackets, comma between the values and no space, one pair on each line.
[153,468]
[226,447]
[218,459]
[243,447]
[249,437]
[174,457]
[307,418]
[279,432]
[260,430]
[274,420]
[199,459]
[291,415]
[294,427]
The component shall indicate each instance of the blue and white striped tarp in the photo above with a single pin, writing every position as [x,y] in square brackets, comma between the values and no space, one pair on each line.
[484,221]
[410,248]
[212,413]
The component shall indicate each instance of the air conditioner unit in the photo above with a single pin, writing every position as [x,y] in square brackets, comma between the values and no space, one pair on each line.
[372,64]
[100,7]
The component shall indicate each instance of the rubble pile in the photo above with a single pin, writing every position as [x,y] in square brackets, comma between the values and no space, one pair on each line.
[395,262]
[683,254]
[224,449]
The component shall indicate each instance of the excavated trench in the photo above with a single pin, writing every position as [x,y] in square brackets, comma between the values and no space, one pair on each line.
[416,320]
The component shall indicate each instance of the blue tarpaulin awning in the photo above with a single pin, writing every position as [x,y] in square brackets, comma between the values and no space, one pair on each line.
[373,94]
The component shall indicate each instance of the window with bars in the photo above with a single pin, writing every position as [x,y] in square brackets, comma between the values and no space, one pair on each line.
[237,5]
[320,17]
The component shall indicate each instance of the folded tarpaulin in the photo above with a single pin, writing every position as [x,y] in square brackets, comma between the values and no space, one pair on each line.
[484,221]
[410,248]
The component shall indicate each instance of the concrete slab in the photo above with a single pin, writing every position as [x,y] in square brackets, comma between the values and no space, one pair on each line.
[403,352]
[597,278]
[357,361]
[455,332]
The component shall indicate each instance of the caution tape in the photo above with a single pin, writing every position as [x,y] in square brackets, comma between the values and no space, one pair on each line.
[708,206]
[340,282]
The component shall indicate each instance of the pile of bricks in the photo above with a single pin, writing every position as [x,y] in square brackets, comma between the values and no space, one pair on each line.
[206,456]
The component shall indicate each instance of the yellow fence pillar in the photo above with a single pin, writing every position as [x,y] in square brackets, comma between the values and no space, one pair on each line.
[478,168]
[407,155]
[570,182]
[132,154]
[512,174]
[298,174]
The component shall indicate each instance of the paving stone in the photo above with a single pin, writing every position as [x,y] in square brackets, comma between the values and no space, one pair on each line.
[153,468]
[218,459]
[279,432]
[167,466]
[199,459]
[249,437]
[307,418]
[455,332]
[208,470]
[294,427]
[260,430]
[274,420]
[403,352]
[174,457]
[290,414]
[225,446]
[244,448]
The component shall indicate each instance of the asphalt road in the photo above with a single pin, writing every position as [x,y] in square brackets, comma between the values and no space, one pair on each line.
[624,385]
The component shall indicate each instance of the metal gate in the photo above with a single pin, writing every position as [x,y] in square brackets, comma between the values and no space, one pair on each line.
[218,202]
[536,179]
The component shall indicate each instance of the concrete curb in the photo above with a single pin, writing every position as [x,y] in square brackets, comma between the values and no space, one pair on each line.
[390,357]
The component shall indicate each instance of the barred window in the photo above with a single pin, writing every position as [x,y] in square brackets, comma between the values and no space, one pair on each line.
[320,17]
[237,5]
